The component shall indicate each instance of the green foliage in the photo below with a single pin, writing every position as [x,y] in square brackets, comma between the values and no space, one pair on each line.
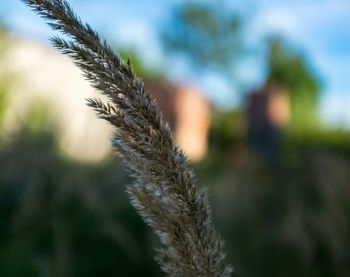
[39,118]
[62,218]
[290,221]
[5,78]
[290,218]
[3,100]
[227,130]
[207,33]
[289,69]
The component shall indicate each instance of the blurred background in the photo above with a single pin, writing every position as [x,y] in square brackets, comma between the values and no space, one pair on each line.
[257,94]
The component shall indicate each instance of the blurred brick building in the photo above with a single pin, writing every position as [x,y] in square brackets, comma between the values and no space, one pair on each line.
[188,113]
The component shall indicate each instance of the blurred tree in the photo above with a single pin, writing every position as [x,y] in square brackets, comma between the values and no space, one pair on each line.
[290,69]
[207,33]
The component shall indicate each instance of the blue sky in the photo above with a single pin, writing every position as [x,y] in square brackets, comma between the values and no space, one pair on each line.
[320,28]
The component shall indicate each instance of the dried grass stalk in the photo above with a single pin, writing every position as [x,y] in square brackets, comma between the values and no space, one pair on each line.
[165,191]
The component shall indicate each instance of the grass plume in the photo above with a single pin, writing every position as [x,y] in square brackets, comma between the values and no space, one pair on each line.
[165,191]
